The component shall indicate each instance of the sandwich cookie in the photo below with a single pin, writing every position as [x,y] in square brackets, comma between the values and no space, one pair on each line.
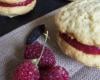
[17,8]
[79,31]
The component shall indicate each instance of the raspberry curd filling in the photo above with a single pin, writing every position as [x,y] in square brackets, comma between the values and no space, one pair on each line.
[24,3]
[82,47]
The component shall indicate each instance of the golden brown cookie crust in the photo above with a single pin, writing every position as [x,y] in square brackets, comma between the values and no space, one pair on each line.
[14,11]
[12,1]
[81,19]
[87,59]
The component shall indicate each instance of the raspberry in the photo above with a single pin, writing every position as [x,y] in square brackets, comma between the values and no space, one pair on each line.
[36,33]
[54,73]
[26,71]
[33,51]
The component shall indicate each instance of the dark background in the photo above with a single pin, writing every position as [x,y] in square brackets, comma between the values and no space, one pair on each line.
[42,7]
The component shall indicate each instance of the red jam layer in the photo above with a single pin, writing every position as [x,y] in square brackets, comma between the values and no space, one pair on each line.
[85,48]
[24,3]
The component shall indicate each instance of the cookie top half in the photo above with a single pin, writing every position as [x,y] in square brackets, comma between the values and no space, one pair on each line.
[81,19]
[12,1]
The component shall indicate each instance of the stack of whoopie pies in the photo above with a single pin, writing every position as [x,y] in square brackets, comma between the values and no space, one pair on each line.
[79,31]
[16,7]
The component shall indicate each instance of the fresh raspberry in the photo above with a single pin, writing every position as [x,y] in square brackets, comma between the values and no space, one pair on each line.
[26,71]
[33,51]
[54,73]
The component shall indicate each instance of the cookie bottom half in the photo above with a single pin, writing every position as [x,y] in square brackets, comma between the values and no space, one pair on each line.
[87,59]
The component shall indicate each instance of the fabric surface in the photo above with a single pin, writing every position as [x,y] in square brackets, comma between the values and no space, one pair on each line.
[12,47]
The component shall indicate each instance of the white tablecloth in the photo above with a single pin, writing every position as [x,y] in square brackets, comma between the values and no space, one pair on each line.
[12,47]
